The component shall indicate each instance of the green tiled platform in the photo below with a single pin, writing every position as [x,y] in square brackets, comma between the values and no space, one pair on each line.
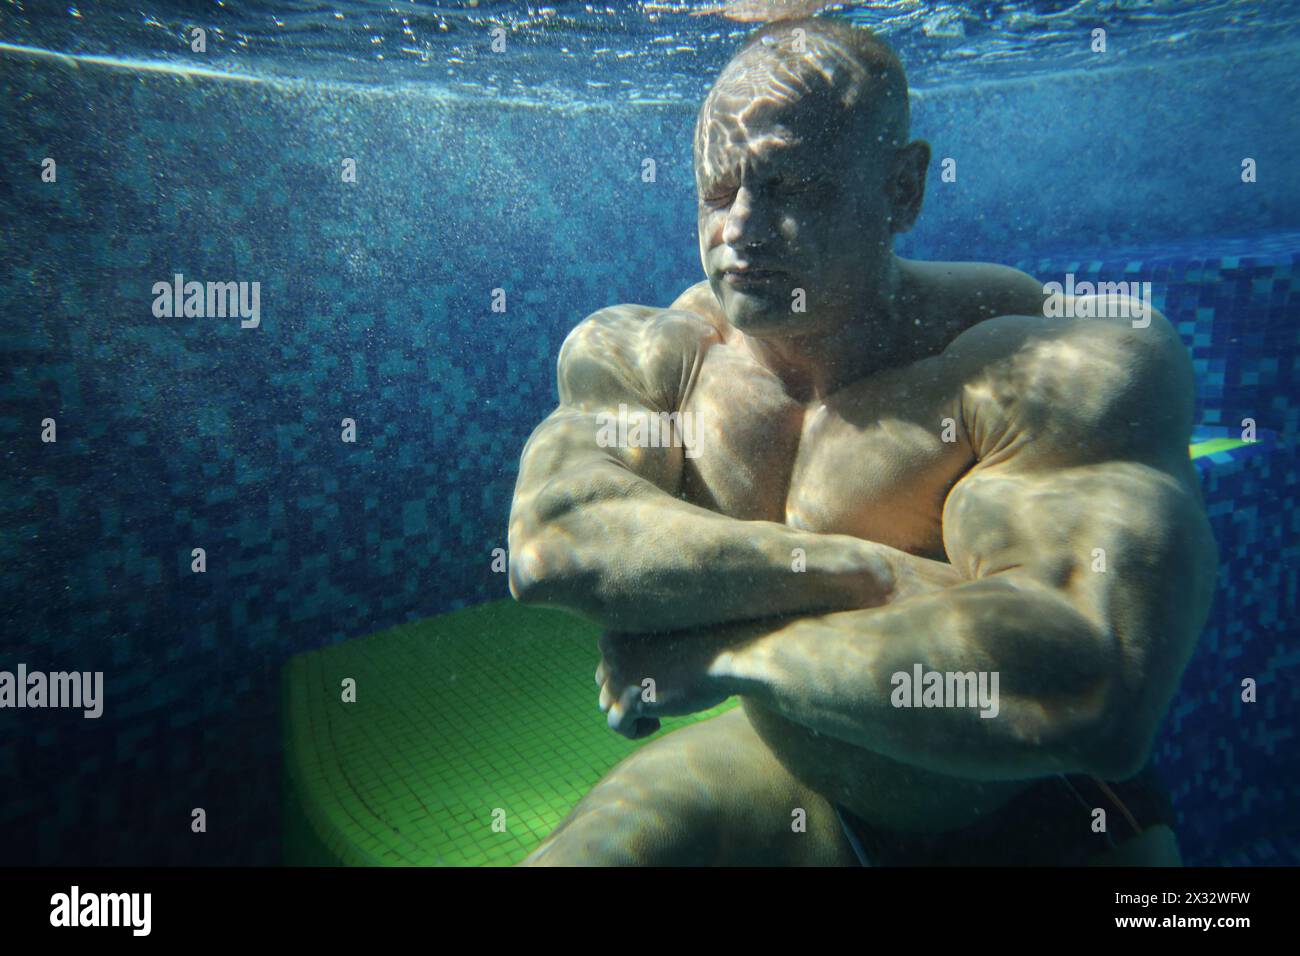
[455,716]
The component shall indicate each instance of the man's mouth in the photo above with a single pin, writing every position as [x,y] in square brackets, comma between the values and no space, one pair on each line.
[749,276]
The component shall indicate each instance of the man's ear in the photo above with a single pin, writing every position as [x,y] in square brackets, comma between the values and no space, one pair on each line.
[907,184]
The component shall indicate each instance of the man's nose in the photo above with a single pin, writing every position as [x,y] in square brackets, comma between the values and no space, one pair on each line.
[746,220]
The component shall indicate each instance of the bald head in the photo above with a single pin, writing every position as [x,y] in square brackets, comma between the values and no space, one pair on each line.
[804,174]
[847,74]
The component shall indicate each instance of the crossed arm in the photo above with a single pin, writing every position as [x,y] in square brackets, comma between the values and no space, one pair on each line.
[602,531]
[1081,572]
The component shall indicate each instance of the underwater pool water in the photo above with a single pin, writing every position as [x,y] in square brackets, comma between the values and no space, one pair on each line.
[237,516]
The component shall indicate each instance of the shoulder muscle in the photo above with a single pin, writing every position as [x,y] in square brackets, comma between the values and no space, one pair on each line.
[632,353]
[1076,390]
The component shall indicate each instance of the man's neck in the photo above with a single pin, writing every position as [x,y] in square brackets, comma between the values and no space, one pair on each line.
[858,345]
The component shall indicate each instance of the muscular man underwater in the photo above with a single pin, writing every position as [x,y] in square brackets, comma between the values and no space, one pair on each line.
[897,463]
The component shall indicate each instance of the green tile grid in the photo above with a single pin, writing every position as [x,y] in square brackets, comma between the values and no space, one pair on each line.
[455,716]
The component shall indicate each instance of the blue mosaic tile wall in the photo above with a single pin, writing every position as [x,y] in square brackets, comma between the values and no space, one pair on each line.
[376,295]
[1233,768]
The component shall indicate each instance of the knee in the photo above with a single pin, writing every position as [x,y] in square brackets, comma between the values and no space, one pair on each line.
[638,815]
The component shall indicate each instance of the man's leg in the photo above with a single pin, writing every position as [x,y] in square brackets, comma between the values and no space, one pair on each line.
[710,793]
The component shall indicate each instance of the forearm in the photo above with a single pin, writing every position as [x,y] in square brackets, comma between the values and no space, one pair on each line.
[645,561]
[836,674]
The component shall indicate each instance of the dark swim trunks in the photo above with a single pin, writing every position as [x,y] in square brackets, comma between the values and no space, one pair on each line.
[1048,824]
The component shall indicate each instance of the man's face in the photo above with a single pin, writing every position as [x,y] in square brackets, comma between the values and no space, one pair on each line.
[795,190]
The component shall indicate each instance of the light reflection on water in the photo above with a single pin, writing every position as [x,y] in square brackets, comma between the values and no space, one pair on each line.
[576,54]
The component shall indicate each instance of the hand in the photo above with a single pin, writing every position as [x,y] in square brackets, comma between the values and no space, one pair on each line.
[678,664]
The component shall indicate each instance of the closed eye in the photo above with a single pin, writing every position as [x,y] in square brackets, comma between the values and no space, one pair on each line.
[778,185]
